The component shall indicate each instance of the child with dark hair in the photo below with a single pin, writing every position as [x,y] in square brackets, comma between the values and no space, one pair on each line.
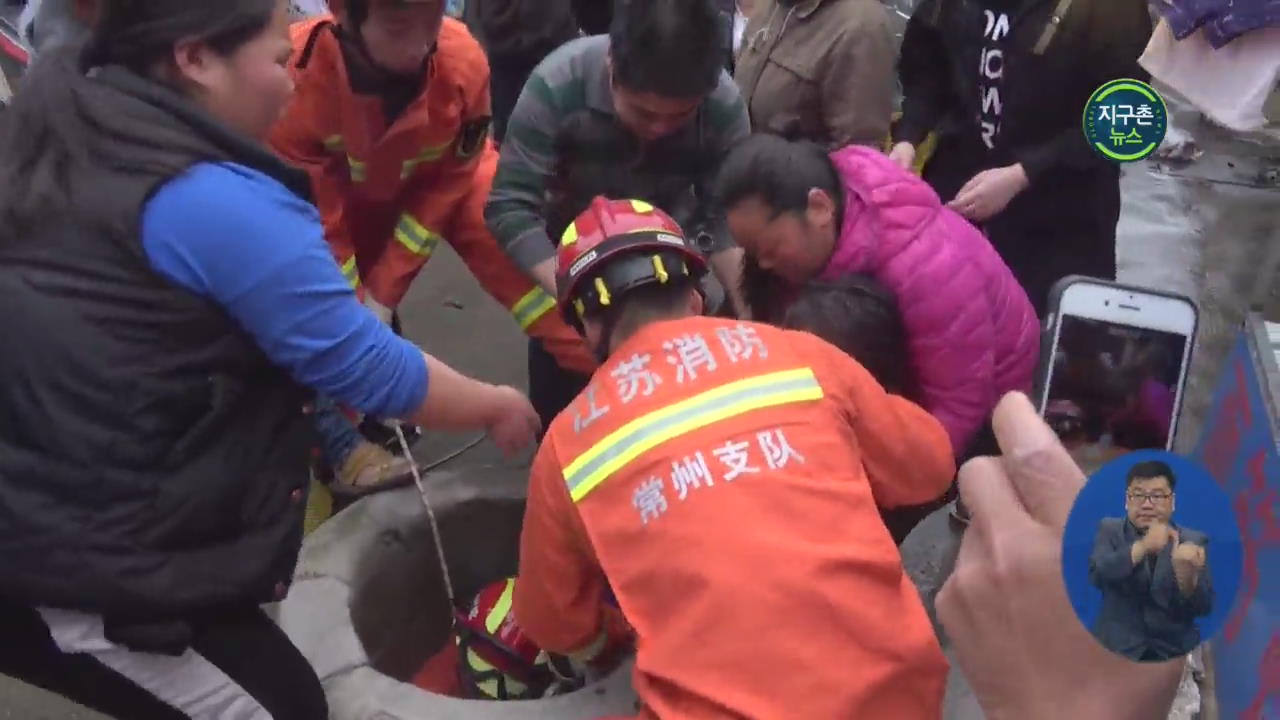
[860,316]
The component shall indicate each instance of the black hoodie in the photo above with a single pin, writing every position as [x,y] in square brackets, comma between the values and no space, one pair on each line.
[516,31]
[1012,89]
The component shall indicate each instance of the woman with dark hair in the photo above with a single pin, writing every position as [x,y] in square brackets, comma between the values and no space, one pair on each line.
[172,305]
[802,214]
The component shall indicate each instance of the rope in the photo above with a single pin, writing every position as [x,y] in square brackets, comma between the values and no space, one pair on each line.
[431,514]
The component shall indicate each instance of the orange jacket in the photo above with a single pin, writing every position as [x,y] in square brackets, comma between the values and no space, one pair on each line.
[723,478]
[389,195]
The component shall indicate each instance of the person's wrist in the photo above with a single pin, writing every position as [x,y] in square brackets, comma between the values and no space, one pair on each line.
[497,403]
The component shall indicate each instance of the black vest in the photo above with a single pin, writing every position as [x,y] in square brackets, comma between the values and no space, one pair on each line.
[153,462]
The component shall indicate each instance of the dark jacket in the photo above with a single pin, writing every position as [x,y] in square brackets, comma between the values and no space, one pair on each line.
[1144,614]
[1055,55]
[524,31]
[153,462]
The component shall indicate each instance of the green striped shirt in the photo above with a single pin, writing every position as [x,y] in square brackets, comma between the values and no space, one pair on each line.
[572,81]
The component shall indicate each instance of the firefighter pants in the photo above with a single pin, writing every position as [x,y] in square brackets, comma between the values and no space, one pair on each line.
[240,666]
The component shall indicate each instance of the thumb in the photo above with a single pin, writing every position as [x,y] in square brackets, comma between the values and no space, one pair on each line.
[1045,477]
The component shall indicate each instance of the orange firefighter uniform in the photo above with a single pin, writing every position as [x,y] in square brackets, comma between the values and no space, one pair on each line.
[389,194]
[723,478]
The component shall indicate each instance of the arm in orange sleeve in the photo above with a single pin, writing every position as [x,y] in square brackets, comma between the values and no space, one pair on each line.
[297,143]
[532,307]
[427,210]
[559,594]
[905,450]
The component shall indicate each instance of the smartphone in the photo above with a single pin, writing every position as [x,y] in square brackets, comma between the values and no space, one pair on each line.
[1114,362]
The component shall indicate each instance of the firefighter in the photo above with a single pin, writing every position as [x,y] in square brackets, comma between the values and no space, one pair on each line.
[498,661]
[723,478]
[390,118]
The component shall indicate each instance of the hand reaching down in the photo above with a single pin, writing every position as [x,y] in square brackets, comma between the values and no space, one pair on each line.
[511,421]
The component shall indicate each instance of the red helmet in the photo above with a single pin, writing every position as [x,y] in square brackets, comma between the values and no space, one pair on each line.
[614,247]
[497,661]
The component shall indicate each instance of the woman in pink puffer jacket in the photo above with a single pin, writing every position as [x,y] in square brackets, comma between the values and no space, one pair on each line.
[802,215]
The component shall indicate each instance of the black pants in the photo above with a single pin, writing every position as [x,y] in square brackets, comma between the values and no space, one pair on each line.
[507,78]
[551,387]
[240,666]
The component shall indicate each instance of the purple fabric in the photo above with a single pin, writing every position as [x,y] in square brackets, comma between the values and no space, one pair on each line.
[971,331]
[1222,20]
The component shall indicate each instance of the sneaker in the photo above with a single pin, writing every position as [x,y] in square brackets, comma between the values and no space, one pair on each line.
[371,468]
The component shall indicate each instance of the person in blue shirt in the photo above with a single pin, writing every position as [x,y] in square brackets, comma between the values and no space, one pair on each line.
[358,466]
[172,315]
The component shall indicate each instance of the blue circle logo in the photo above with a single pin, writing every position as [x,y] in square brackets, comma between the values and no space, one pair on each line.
[1125,120]
[1152,556]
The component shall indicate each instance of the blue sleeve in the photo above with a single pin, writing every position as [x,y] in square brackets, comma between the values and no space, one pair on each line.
[241,239]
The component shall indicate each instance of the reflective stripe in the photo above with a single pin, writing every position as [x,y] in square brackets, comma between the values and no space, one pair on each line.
[641,206]
[489,686]
[415,237]
[570,235]
[333,143]
[357,169]
[351,272]
[500,609]
[430,154]
[530,308]
[625,444]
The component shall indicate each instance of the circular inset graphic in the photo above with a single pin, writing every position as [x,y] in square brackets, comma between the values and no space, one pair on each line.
[1152,556]
[1125,120]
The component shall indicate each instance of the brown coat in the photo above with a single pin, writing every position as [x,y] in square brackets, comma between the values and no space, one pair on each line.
[822,70]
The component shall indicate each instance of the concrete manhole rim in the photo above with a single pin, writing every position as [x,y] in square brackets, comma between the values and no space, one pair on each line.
[320,617]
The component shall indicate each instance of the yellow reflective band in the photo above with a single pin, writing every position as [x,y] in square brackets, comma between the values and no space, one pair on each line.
[603,292]
[351,272]
[641,206]
[570,235]
[490,686]
[530,308]
[357,169]
[416,238]
[627,443]
[333,143]
[430,154]
[500,609]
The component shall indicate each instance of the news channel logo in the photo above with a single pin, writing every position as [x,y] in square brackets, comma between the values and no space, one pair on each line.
[1125,120]
[1152,556]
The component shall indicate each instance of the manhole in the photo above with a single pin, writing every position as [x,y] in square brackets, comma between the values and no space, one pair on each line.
[369,610]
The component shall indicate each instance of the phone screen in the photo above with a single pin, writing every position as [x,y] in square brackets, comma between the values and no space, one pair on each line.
[1113,388]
